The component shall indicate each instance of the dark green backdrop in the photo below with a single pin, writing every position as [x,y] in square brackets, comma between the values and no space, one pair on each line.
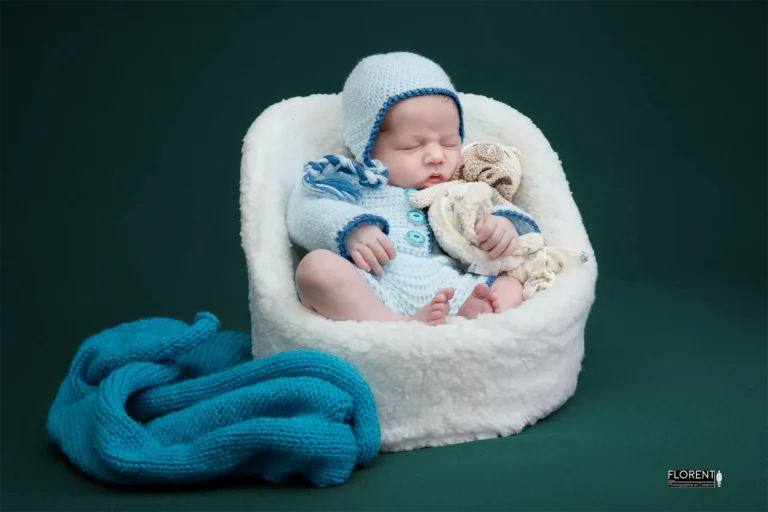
[121,131]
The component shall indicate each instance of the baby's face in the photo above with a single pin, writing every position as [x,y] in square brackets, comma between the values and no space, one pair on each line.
[419,141]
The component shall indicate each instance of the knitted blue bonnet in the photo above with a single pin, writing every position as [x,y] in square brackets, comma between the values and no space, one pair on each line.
[375,84]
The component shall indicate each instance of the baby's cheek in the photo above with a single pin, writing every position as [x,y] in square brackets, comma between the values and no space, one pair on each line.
[401,174]
[454,161]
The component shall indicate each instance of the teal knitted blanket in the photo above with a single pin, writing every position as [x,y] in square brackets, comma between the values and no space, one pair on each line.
[158,401]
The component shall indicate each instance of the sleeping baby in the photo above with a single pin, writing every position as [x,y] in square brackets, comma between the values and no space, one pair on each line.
[372,255]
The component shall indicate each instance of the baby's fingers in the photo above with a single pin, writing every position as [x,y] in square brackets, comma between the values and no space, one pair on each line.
[484,230]
[370,258]
[388,246]
[493,240]
[502,246]
[380,253]
[360,261]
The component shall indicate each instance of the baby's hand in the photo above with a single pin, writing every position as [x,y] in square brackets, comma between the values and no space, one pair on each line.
[497,235]
[370,248]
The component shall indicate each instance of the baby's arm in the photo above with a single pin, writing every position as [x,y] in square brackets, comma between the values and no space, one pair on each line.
[321,222]
[524,223]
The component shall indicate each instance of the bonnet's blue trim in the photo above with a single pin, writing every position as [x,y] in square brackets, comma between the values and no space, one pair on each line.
[342,177]
[523,224]
[366,218]
[399,97]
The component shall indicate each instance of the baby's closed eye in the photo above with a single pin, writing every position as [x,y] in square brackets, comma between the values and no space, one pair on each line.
[406,143]
[452,141]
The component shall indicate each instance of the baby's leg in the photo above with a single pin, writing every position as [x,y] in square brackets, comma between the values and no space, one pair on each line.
[506,293]
[332,286]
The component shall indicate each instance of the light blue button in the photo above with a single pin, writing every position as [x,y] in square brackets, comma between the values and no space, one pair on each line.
[416,238]
[408,192]
[416,217]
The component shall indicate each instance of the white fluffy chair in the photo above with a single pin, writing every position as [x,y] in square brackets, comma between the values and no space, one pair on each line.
[434,386]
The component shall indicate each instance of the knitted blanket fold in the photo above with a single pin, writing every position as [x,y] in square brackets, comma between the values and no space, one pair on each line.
[158,401]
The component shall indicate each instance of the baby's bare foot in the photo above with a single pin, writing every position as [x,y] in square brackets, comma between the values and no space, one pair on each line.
[477,303]
[508,295]
[497,305]
[436,310]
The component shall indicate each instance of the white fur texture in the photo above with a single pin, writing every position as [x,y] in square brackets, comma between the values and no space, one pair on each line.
[440,385]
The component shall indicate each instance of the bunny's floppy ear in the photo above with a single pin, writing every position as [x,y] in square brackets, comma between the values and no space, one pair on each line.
[458,174]
[511,173]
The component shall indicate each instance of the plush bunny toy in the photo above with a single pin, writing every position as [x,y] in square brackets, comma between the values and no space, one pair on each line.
[488,176]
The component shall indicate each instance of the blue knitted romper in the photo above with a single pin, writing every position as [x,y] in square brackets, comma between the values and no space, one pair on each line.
[420,268]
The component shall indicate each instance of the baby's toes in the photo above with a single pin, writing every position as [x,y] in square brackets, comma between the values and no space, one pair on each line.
[440,298]
[435,314]
[446,293]
[435,318]
[443,308]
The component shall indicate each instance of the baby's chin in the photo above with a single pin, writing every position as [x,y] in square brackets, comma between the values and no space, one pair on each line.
[419,185]
[404,180]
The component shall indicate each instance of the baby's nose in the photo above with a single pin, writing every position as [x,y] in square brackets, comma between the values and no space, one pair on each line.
[434,155]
